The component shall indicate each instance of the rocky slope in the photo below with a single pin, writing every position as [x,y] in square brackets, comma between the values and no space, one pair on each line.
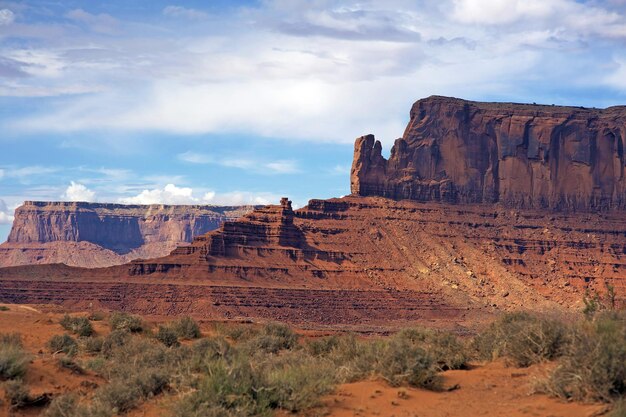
[96,235]
[520,155]
[451,259]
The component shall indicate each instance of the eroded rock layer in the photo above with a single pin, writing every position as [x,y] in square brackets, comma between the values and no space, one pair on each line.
[97,235]
[369,262]
[519,155]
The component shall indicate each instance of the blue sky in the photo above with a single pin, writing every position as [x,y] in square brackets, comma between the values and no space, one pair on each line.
[225,102]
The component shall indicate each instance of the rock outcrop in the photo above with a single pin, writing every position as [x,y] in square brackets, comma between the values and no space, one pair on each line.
[519,155]
[95,235]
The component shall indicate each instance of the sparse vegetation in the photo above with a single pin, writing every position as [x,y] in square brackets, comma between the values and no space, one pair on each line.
[4,308]
[17,393]
[127,322]
[253,370]
[522,339]
[80,326]
[13,358]
[63,343]
[593,366]
[186,328]
[167,336]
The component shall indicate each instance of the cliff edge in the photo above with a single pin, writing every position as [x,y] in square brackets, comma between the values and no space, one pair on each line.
[519,155]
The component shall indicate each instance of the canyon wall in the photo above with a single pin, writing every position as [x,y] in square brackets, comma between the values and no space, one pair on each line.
[519,155]
[94,234]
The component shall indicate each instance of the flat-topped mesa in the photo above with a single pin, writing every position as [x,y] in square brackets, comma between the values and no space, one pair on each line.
[100,234]
[519,155]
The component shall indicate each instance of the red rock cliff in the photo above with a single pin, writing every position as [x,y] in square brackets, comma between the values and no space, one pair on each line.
[93,234]
[520,155]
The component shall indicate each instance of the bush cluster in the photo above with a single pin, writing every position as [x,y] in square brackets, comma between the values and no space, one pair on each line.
[63,343]
[127,322]
[81,326]
[523,339]
[13,358]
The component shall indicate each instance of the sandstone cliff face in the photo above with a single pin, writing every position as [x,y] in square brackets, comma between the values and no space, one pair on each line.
[92,234]
[523,156]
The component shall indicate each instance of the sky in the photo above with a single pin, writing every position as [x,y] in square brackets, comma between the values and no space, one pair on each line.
[237,102]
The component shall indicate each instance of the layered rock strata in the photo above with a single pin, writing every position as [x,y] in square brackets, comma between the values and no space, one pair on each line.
[519,155]
[96,235]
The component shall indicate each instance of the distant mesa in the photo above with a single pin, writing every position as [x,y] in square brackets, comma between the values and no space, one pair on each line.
[97,235]
[519,155]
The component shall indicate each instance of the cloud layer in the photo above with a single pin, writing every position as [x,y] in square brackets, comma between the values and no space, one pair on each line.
[328,70]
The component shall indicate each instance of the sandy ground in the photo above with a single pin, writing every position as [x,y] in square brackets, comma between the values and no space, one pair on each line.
[484,390]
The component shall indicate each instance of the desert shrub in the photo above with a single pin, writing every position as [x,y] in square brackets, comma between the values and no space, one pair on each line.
[69,364]
[523,339]
[237,333]
[93,344]
[446,350]
[619,408]
[322,346]
[296,381]
[4,308]
[14,339]
[125,321]
[186,328]
[13,358]
[593,367]
[16,393]
[167,336]
[208,350]
[114,340]
[80,326]
[96,316]
[62,406]
[63,343]
[402,362]
[272,338]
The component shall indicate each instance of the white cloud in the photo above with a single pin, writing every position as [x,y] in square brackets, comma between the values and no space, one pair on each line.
[1,173]
[172,194]
[6,215]
[502,11]
[78,192]
[237,198]
[29,171]
[262,167]
[301,70]
[103,23]
[6,17]
[179,11]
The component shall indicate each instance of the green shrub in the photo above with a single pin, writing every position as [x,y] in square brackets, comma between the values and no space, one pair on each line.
[93,344]
[125,321]
[16,393]
[272,338]
[113,340]
[402,362]
[78,325]
[167,336]
[446,350]
[13,358]
[296,381]
[523,339]
[69,364]
[63,343]
[186,328]
[96,316]
[4,308]
[619,408]
[593,366]
[63,406]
